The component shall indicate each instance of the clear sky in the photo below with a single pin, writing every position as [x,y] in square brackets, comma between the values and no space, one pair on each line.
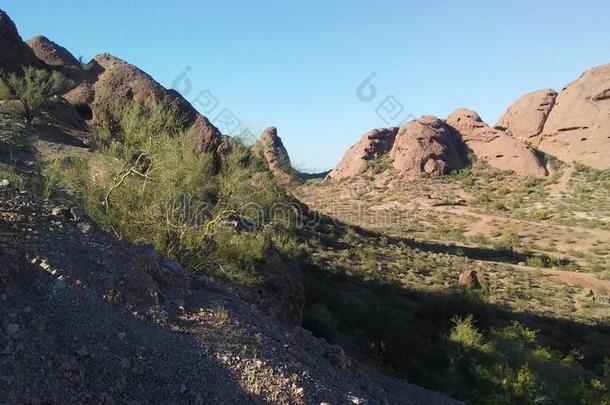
[298,65]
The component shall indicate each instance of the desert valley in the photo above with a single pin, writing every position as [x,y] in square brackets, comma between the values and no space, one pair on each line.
[146,257]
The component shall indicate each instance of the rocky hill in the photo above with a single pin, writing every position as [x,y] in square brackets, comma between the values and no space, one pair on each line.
[572,125]
[88,318]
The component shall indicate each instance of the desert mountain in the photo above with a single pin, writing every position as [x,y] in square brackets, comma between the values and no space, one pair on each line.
[14,53]
[359,157]
[104,89]
[271,147]
[574,125]
[495,147]
[113,84]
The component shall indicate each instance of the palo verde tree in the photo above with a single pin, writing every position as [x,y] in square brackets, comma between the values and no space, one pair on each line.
[31,90]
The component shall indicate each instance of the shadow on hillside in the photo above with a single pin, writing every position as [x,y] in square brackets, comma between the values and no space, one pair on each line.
[72,343]
[500,255]
[406,329]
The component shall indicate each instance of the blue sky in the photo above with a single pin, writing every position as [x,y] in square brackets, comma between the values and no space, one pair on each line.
[298,65]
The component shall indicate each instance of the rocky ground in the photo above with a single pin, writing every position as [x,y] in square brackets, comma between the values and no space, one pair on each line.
[86,318]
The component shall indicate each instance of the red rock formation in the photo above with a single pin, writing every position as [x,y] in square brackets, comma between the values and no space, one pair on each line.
[495,147]
[578,127]
[526,117]
[271,147]
[359,157]
[426,145]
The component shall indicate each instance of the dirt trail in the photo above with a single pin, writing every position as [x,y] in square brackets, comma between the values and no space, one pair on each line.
[584,280]
[562,184]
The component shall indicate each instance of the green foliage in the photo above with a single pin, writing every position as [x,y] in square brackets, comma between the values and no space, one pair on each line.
[31,90]
[381,164]
[509,240]
[507,366]
[148,186]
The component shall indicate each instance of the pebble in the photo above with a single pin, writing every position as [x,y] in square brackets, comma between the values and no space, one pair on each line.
[5,183]
[59,211]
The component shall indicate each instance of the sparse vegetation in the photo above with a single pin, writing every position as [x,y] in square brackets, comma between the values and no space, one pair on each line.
[148,186]
[31,91]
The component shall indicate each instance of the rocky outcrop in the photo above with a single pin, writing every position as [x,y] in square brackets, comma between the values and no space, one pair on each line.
[14,53]
[359,158]
[51,53]
[113,84]
[526,117]
[578,126]
[495,147]
[271,148]
[426,145]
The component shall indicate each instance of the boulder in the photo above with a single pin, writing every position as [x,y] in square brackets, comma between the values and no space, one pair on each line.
[526,117]
[578,126]
[359,158]
[271,148]
[426,145]
[14,53]
[469,279]
[495,147]
[113,84]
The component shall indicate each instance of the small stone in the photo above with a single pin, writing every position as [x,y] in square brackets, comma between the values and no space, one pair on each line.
[588,292]
[5,183]
[125,363]
[12,328]
[84,227]
[59,211]
[121,335]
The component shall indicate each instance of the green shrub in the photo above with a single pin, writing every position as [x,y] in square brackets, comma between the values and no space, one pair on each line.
[32,90]
[148,186]
[507,366]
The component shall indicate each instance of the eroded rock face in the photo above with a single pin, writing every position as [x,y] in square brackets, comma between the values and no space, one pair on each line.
[113,84]
[51,53]
[426,145]
[527,116]
[372,145]
[14,53]
[494,146]
[578,126]
[271,147]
